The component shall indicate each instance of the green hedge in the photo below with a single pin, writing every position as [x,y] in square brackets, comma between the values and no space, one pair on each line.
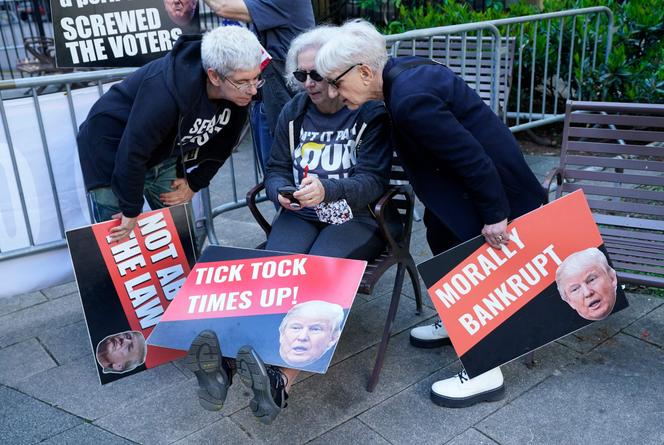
[634,71]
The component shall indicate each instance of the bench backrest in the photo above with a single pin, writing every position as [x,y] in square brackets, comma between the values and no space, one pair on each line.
[468,59]
[615,153]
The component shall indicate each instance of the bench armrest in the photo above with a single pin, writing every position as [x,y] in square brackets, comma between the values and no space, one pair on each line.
[556,174]
[253,208]
[381,207]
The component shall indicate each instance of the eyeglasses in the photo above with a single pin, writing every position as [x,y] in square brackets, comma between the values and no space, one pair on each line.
[335,82]
[245,86]
[301,75]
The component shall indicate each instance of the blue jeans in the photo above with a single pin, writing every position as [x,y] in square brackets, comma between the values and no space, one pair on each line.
[158,180]
[260,134]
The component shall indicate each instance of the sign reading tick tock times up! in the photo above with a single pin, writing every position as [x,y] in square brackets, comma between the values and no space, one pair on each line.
[119,33]
[552,278]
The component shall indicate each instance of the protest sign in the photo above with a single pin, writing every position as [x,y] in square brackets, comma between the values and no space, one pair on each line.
[119,33]
[290,308]
[498,304]
[126,285]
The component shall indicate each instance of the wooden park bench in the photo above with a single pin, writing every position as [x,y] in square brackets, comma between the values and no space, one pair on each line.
[470,60]
[614,152]
[397,251]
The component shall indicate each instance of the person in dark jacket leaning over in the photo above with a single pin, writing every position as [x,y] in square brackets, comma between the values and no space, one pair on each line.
[463,162]
[184,110]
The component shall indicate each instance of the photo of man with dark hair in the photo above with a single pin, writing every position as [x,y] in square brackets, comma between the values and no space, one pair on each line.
[588,284]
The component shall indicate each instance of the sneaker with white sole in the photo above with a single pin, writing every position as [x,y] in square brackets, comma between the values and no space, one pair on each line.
[267,383]
[429,336]
[212,372]
[460,391]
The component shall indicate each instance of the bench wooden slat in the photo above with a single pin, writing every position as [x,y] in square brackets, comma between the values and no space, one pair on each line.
[614,148]
[627,243]
[648,261]
[608,133]
[637,252]
[617,192]
[623,221]
[617,119]
[627,207]
[628,164]
[631,266]
[604,176]
[638,236]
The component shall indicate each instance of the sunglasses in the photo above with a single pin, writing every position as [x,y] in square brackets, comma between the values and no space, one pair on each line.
[301,75]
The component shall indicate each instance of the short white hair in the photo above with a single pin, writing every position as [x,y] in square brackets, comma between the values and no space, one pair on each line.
[230,48]
[332,311]
[357,41]
[313,39]
[577,260]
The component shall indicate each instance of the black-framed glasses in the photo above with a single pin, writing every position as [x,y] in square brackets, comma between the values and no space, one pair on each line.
[301,75]
[335,82]
[246,85]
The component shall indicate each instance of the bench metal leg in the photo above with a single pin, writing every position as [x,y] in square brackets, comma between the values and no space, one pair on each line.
[529,359]
[415,279]
[387,330]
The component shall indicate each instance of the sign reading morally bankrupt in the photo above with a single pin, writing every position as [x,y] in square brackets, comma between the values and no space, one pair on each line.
[552,278]
[119,33]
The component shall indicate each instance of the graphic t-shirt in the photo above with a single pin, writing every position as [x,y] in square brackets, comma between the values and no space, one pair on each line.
[326,146]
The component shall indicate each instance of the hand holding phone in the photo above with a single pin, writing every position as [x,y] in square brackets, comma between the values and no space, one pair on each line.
[287,192]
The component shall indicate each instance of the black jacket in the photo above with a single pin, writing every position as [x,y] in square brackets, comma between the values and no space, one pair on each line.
[463,162]
[367,179]
[137,124]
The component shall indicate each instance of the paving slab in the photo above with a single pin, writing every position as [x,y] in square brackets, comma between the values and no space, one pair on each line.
[18,302]
[595,334]
[26,323]
[24,420]
[649,328]
[86,433]
[22,360]
[222,431]
[67,343]
[324,401]
[170,415]
[350,432]
[612,396]
[61,290]
[471,436]
[411,413]
[75,387]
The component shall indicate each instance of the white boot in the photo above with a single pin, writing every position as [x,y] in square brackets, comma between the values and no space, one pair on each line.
[460,391]
[429,336]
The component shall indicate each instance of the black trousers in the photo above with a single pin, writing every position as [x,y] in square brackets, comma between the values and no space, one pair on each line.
[439,237]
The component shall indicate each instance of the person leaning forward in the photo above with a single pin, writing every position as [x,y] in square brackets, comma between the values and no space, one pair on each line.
[165,130]
[462,161]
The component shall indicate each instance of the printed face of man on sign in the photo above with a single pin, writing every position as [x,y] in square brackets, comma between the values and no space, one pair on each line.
[180,11]
[120,353]
[588,284]
[308,331]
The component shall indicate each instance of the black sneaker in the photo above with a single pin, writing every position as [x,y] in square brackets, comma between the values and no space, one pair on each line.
[213,373]
[268,384]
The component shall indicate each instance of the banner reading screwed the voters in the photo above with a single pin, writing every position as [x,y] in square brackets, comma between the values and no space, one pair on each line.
[125,286]
[553,278]
[290,308]
[119,33]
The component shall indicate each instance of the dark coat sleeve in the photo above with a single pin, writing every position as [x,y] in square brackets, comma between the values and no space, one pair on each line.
[367,180]
[145,130]
[279,171]
[427,124]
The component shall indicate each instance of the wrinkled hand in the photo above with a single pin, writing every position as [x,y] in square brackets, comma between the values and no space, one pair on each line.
[496,234]
[286,203]
[311,192]
[181,193]
[122,231]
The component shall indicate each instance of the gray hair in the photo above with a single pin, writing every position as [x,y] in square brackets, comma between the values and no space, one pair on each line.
[313,39]
[357,41]
[230,48]
[333,311]
[591,255]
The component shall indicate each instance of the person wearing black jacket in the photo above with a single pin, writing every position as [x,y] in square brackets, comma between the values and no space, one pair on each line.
[462,161]
[165,130]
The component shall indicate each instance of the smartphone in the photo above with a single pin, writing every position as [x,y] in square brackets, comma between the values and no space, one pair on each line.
[287,192]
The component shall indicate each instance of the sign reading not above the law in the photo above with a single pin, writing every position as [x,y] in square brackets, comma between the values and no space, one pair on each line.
[119,33]
[552,278]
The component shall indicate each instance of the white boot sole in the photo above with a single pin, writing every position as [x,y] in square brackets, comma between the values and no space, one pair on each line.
[492,395]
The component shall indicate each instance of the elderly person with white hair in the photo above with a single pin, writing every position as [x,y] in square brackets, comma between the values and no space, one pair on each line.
[463,162]
[336,162]
[165,130]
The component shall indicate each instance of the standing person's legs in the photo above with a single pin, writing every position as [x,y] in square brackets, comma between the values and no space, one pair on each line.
[104,204]
[260,134]
[290,233]
[158,180]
